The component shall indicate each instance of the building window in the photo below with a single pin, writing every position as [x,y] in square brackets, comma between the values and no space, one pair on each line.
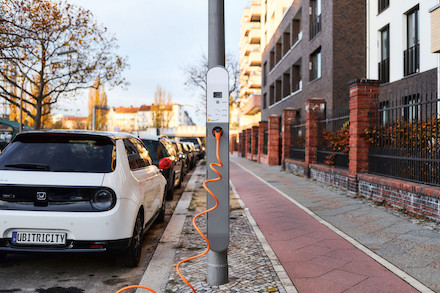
[296,77]
[383,4]
[384,64]
[315,18]
[272,94]
[412,108]
[264,101]
[265,73]
[286,84]
[315,65]
[411,56]
[286,41]
[278,51]
[272,59]
[384,112]
[278,89]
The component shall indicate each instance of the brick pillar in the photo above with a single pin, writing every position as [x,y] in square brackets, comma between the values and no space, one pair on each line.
[254,132]
[273,149]
[232,143]
[262,126]
[314,112]
[240,143]
[248,142]
[363,95]
[287,119]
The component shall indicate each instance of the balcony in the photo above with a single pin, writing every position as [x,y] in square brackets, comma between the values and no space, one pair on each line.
[384,70]
[252,105]
[411,60]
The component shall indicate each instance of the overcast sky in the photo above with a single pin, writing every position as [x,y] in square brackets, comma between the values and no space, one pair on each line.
[159,37]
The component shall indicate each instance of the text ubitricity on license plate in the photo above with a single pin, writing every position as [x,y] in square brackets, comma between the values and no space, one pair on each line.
[42,238]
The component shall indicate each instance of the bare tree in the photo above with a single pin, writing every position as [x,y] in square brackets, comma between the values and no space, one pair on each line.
[162,109]
[56,48]
[196,78]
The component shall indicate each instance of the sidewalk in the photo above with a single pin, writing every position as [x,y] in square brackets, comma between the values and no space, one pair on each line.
[290,229]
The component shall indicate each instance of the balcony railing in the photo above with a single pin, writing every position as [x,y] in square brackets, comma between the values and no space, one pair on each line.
[384,70]
[411,60]
[315,26]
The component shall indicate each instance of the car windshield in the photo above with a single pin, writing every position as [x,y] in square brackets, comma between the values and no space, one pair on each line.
[153,147]
[60,153]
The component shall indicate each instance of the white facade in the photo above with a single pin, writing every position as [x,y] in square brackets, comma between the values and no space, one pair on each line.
[395,16]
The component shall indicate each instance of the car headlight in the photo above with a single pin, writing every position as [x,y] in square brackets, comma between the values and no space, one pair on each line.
[103,200]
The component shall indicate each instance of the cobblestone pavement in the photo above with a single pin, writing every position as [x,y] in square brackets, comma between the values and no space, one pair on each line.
[250,269]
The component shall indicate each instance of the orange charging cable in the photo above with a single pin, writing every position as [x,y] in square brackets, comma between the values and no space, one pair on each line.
[218,133]
[135,286]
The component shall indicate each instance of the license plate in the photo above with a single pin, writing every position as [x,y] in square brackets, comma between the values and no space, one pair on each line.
[38,237]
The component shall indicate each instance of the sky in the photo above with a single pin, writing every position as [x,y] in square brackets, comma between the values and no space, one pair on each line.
[159,37]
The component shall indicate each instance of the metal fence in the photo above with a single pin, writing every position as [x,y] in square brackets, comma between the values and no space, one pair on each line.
[297,140]
[256,143]
[265,140]
[249,142]
[333,147]
[405,140]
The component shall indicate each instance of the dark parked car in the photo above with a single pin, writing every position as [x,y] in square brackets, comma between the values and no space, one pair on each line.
[164,155]
[184,157]
[200,149]
[181,157]
[190,155]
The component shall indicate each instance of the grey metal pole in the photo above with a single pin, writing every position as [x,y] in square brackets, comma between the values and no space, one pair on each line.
[217,220]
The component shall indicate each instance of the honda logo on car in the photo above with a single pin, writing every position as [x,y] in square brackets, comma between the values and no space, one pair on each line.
[41,195]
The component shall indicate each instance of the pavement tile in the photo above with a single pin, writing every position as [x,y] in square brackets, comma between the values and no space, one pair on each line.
[386,286]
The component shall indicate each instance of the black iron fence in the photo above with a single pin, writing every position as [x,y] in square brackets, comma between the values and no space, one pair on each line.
[333,147]
[249,142]
[315,25]
[411,60]
[297,140]
[265,140]
[256,143]
[405,140]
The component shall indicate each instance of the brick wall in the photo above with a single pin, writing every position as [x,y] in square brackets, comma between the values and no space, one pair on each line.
[314,113]
[417,198]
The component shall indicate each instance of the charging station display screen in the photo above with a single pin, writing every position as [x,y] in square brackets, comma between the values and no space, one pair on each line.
[217,95]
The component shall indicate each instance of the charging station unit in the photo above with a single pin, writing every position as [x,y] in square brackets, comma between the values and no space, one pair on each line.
[217,117]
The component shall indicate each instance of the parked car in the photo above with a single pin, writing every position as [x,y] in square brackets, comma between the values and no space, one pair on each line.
[191,152]
[183,156]
[78,191]
[199,148]
[163,154]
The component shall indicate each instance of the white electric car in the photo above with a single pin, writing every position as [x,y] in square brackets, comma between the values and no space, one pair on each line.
[78,191]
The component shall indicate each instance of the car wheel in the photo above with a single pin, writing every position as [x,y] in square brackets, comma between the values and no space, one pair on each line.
[170,192]
[132,256]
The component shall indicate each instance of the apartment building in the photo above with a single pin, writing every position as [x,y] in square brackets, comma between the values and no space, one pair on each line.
[316,50]
[250,65]
[399,44]
[258,23]
[124,119]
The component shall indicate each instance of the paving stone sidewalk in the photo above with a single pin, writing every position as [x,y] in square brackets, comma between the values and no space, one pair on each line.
[250,268]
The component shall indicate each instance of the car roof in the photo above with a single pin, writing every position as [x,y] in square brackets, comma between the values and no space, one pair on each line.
[113,135]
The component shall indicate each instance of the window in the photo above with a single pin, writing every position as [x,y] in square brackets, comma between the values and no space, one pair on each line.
[134,159]
[286,84]
[315,65]
[382,5]
[286,41]
[384,64]
[278,89]
[296,77]
[315,18]
[264,101]
[272,95]
[411,55]
[264,73]
[411,108]
[384,113]
[143,152]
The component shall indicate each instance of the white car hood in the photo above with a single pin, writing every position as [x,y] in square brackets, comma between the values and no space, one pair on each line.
[50,178]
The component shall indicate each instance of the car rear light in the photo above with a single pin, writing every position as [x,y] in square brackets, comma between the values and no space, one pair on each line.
[165,163]
[103,200]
